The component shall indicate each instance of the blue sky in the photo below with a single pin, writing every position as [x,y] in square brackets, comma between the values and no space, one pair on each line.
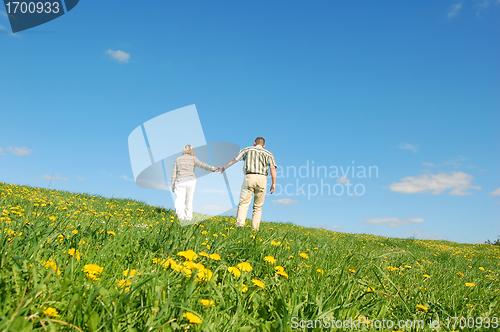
[411,88]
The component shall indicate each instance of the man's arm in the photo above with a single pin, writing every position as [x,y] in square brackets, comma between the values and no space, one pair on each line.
[229,164]
[273,177]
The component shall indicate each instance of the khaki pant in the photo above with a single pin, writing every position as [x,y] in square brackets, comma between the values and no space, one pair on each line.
[254,185]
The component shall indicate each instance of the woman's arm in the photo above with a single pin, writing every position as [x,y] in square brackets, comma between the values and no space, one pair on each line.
[174,175]
[204,166]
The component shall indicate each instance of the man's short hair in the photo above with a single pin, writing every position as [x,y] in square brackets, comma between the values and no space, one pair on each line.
[260,141]
[188,149]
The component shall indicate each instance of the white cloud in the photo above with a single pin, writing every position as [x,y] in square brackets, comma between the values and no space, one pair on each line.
[54,178]
[343,180]
[1,152]
[394,222]
[454,9]
[285,201]
[407,146]
[458,182]
[79,178]
[19,151]
[124,177]
[118,55]
[456,163]
[295,216]
[495,192]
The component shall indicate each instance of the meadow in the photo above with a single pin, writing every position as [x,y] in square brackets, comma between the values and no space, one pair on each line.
[77,262]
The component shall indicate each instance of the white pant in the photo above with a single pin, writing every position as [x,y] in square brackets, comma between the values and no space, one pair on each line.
[184,193]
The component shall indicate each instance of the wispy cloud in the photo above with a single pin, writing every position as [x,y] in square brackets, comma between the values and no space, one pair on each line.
[1,152]
[54,178]
[328,227]
[124,177]
[79,178]
[407,146]
[295,216]
[118,55]
[458,182]
[394,222]
[454,9]
[285,201]
[495,192]
[456,163]
[415,231]
[19,151]
[343,180]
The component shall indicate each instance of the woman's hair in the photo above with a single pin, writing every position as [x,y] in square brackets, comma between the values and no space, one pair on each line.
[188,149]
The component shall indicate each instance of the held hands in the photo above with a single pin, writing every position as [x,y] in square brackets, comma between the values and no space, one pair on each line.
[219,169]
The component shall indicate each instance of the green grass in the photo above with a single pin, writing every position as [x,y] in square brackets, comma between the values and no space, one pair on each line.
[343,277]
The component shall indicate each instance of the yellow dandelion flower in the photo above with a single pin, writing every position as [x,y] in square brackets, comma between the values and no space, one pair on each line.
[245,266]
[352,270]
[207,303]
[124,283]
[234,270]
[258,283]
[279,268]
[215,257]
[190,255]
[92,268]
[50,312]
[74,252]
[304,255]
[111,233]
[470,284]
[481,268]
[426,276]
[204,232]
[422,307]
[204,275]
[243,287]
[270,259]
[459,274]
[320,271]
[282,273]
[291,256]
[130,273]
[75,231]
[203,254]
[192,318]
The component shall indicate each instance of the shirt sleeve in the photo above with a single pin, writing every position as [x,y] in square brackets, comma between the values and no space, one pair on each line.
[241,155]
[202,165]
[174,173]
[271,162]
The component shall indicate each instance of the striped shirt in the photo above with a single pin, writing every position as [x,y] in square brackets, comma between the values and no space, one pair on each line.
[184,168]
[257,160]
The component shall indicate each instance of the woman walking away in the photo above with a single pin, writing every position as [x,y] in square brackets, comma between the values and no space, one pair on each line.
[184,181]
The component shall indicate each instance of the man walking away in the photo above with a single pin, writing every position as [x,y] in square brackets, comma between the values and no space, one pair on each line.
[257,161]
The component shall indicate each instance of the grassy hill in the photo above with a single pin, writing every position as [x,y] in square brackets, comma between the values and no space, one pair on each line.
[76,262]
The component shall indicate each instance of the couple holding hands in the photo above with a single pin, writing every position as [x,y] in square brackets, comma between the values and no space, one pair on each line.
[257,162]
